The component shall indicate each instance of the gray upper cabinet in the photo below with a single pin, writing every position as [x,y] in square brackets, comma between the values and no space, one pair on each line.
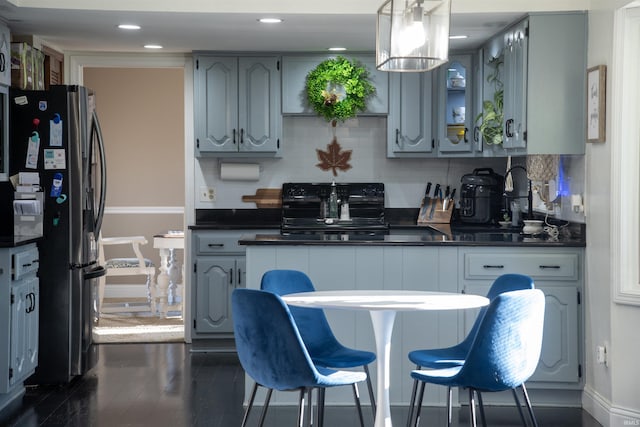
[409,124]
[543,75]
[454,126]
[237,105]
[5,56]
[515,86]
[294,74]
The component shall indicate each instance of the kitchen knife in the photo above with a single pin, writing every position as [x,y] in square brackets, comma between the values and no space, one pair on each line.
[445,201]
[434,202]
[425,200]
[448,199]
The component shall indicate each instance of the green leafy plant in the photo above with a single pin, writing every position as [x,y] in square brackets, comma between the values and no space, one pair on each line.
[491,120]
[338,88]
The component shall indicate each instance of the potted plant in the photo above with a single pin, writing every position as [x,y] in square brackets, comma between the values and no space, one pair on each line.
[491,120]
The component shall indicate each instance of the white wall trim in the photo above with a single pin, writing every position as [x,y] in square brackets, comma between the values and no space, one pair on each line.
[145,210]
[596,405]
[625,158]
[76,61]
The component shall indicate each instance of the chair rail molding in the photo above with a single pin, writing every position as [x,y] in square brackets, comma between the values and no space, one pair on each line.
[625,159]
[145,210]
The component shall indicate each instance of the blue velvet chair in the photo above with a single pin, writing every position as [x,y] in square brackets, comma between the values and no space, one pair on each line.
[504,352]
[272,353]
[323,346]
[455,355]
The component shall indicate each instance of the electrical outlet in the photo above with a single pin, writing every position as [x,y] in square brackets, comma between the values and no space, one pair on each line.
[207,194]
[601,355]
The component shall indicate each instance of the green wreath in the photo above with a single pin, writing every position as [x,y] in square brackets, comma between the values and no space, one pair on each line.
[337,89]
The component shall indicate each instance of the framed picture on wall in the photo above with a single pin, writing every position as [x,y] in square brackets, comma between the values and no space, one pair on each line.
[596,103]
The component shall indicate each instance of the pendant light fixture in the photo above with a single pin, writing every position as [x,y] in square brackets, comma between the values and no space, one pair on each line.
[412,35]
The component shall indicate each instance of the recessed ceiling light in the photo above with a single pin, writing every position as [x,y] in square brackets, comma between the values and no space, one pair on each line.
[129,27]
[153,46]
[337,49]
[462,36]
[270,20]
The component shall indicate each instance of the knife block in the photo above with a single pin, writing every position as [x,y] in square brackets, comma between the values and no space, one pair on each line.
[440,215]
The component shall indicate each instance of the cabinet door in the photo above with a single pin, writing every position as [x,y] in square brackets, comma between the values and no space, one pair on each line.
[18,363]
[32,325]
[515,87]
[455,115]
[559,357]
[5,56]
[216,104]
[215,281]
[409,122]
[259,115]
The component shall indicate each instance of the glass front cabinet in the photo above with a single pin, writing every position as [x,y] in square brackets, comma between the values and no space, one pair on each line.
[455,116]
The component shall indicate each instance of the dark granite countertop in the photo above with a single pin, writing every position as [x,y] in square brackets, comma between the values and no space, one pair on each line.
[418,238]
[403,230]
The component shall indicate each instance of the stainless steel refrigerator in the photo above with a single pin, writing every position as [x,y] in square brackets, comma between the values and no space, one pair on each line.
[56,133]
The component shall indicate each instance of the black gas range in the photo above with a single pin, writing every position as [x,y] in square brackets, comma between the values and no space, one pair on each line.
[305,208]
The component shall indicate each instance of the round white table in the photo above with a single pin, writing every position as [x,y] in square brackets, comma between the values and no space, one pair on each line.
[382,306]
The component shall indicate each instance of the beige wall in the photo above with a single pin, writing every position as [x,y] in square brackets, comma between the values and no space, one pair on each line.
[141,114]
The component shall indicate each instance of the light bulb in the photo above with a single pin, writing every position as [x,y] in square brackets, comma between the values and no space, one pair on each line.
[413,35]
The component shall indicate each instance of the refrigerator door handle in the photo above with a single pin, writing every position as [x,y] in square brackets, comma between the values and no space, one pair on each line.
[95,130]
[95,272]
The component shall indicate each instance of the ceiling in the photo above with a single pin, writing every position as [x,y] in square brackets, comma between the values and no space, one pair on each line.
[81,26]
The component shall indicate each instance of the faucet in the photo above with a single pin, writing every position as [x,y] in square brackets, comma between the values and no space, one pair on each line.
[529,193]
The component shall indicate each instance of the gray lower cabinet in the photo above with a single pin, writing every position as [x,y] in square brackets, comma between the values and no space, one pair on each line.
[216,278]
[19,308]
[218,268]
[559,274]
[557,271]
[237,105]
[5,55]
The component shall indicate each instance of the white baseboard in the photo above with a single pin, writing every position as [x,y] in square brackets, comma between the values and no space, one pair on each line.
[606,413]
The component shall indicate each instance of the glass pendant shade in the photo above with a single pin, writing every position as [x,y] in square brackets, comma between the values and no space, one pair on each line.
[412,35]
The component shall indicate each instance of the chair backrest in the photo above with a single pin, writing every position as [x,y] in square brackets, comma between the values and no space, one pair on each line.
[506,349]
[269,346]
[312,322]
[503,283]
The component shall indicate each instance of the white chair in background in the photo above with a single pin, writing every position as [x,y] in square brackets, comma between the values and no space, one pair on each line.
[134,266]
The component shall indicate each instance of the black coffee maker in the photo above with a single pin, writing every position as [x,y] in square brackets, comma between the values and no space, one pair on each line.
[481,196]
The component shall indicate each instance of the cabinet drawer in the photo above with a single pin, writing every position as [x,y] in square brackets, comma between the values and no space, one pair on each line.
[25,262]
[211,244]
[543,266]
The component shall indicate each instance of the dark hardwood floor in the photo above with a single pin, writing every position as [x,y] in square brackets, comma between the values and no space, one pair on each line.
[165,385]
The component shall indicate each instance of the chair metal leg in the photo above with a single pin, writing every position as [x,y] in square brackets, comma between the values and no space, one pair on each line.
[303,391]
[472,409]
[449,406]
[320,406]
[310,405]
[356,397]
[519,406]
[245,418]
[267,399]
[526,399]
[419,404]
[372,396]
[483,419]
[412,402]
